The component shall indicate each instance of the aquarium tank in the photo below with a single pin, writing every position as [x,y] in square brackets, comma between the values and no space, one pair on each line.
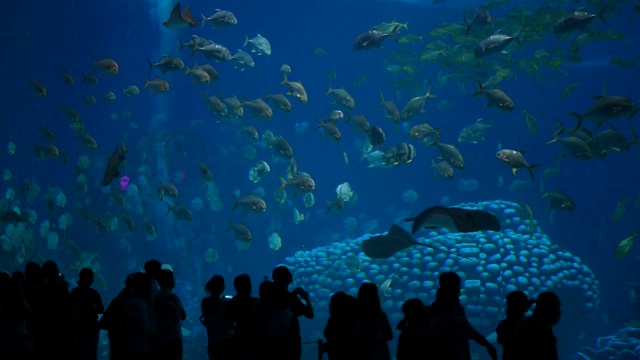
[232,137]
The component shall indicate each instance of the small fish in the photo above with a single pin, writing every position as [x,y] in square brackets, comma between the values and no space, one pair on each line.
[495,98]
[621,208]
[330,130]
[424,130]
[157,85]
[337,203]
[90,79]
[625,245]
[560,201]
[167,64]
[577,20]
[475,132]
[495,44]
[450,154]
[198,75]
[250,204]
[258,107]
[221,18]
[531,122]
[390,110]
[112,170]
[442,170]
[569,90]
[206,173]
[373,38]
[515,160]
[259,44]
[131,90]
[38,88]
[300,184]
[107,66]
[180,20]
[240,231]
[179,212]
[166,189]
[342,97]
[280,101]
[243,60]
[295,89]
[415,106]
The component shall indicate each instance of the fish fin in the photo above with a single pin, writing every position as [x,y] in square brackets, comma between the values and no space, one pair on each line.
[601,13]
[283,183]
[246,41]
[530,168]
[580,120]
[168,209]
[513,171]
[235,203]
[480,89]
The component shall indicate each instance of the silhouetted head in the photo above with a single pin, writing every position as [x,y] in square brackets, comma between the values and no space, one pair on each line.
[215,285]
[450,283]
[242,284]
[548,308]
[85,277]
[139,283]
[166,280]
[32,271]
[265,291]
[338,303]
[17,276]
[152,267]
[282,276]
[413,309]
[368,297]
[518,303]
[50,271]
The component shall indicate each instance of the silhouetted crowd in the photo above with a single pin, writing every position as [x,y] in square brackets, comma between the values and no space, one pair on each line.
[41,318]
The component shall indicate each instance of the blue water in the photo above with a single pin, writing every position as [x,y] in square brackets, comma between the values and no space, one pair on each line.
[41,42]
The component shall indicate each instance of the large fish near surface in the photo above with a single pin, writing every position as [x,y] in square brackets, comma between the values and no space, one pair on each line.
[496,43]
[373,38]
[577,20]
[607,108]
[454,219]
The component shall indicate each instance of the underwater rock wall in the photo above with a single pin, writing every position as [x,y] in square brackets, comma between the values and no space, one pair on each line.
[623,345]
[519,257]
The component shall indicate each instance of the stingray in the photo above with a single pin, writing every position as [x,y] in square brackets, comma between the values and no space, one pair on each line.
[397,239]
[180,20]
[454,219]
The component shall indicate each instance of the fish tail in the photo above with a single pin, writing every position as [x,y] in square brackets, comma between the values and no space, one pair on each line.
[480,89]
[181,43]
[428,94]
[321,123]
[286,79]
[203,22]
[187,71]
[235,203]
[283,183]
[394,33]
[381,99]
[150,65]
[436,133]
[519,37]
[530,168]
[329,91]
[601,13]
[580,120]
[329,206]
[169,208]
[634,137]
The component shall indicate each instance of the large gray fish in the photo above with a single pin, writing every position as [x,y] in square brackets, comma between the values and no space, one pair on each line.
[607,108]
[573,147]
[424,130]
[373,38]
[342,97]
[495,98]
[390,110]
[295,89]
[243,60]
[194,43]
[450,154]
[415,106]
[577,20]
[515,160]
[560,201]
[454,219]
[221,18]
[495,43]
[474,132]
[167,63]
[214,52]
[613,140]
[258,107]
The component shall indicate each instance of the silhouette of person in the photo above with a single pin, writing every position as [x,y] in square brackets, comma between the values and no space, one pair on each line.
[412,331]
[517,306]
[283,325]
[53,316]
[214,316]
[375,329]
[534,337]
[14,311]
[341,330]
[152,268]
[242,319]
[126,320]
[448,330]
[88,304]
[168,314]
